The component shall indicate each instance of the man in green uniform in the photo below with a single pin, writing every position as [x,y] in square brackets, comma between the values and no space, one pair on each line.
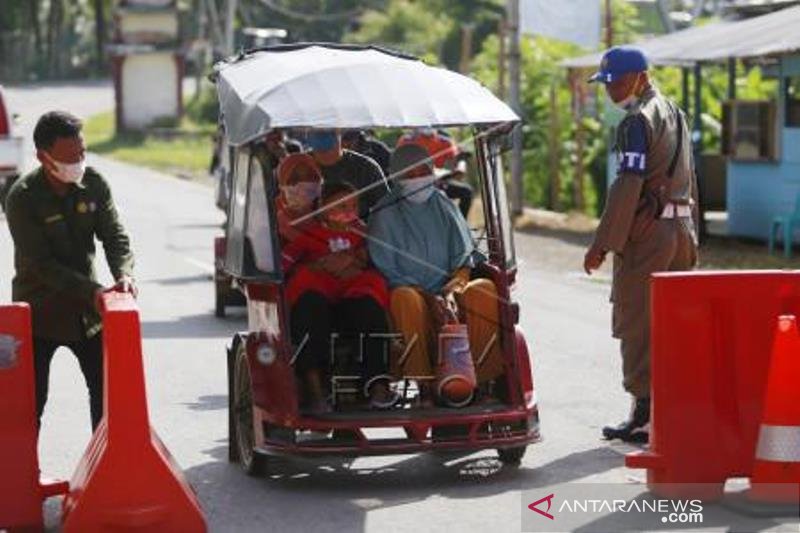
[54,214]
[649,219]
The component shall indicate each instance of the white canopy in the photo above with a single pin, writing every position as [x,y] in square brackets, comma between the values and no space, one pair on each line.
[340,86]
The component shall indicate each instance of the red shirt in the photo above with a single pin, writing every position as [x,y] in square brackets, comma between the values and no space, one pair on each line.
[317,241]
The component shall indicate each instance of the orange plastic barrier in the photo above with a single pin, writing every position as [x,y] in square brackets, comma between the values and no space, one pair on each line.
[712,335]
[21,493]
[776,474]
[127,478]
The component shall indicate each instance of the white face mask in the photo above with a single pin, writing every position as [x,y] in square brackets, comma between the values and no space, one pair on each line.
[301,195]
[70,172]
[418,190]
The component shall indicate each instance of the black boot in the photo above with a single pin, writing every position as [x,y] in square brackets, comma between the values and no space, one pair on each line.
[637,428]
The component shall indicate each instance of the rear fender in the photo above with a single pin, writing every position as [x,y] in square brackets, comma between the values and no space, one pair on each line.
[525,367]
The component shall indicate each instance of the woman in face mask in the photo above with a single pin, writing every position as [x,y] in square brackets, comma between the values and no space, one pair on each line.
[299,182]
[420,241]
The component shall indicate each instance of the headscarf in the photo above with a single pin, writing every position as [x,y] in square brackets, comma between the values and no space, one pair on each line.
[292,161]
[286,168]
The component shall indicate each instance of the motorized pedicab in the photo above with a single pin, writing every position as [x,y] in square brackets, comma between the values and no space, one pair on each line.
[308,86]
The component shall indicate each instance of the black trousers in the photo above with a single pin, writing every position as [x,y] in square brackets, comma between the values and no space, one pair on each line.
[89,353]
[316,322]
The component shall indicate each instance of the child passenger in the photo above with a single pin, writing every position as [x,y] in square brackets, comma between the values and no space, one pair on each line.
[329,260]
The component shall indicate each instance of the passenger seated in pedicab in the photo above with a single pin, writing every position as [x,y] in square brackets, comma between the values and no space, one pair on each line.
[299,185]
[421,243]
[338,164]
[327,295]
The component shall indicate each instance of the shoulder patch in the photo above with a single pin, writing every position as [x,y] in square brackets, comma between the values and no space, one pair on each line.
[632,155]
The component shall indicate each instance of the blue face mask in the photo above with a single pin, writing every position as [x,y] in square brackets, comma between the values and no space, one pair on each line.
[321,141]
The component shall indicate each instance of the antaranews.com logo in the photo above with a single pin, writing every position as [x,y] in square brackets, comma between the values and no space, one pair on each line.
[603,507]
[672,511]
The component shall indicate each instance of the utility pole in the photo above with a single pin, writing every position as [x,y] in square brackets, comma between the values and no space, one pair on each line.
[230,17]
[517,189]
[501,65]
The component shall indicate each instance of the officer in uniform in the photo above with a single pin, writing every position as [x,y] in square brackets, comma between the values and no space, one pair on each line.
[54,214]
[649,220]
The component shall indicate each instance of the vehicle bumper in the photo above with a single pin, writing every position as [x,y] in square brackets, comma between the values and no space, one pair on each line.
[508,428]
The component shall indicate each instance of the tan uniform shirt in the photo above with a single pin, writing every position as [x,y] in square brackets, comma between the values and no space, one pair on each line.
[631,226]
[646,143]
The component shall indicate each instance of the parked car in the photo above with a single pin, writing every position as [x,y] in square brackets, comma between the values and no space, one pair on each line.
[10,149]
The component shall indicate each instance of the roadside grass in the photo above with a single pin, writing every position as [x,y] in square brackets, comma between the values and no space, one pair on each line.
[184,151]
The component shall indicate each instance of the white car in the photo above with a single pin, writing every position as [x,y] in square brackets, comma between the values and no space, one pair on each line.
[10,149]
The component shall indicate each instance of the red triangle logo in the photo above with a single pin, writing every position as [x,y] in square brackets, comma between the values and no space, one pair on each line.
[549,500]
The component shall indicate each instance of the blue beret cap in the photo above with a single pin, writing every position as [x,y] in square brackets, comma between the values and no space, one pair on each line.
[618,61]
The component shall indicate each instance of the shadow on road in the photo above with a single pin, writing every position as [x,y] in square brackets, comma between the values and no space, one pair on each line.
[204,325]
[182,280]
[210,402]
[337,494]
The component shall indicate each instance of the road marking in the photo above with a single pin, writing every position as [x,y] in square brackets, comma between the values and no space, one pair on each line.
[202,265]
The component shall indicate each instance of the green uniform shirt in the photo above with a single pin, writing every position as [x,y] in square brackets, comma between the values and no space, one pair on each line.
[54,251]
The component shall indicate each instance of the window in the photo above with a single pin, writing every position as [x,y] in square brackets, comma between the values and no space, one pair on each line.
[793,102]
[749,130]
[506,224]
[259,232]
[237,208]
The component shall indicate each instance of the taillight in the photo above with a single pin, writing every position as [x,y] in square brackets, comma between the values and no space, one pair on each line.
[5,127]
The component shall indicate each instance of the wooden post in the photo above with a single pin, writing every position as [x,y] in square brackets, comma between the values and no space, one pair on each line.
[517,189]
[731,78]
[697,145]
[466,48]
[685,74]
[554,154]
[578,101]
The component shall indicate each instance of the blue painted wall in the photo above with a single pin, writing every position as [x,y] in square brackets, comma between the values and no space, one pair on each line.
[758,192]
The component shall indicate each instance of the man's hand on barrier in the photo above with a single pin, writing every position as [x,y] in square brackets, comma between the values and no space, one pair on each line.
[126,284]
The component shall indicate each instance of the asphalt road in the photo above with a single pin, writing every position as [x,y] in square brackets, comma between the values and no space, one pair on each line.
[172,224]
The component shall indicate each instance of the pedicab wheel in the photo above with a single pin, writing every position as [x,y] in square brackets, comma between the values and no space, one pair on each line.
[511,456]
[253,463]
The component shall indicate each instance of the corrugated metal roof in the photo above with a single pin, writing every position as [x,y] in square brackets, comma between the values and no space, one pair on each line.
[773,34]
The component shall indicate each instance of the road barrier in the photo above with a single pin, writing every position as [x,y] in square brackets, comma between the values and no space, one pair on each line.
[127,478]
[712,335]
[776,472]
[21,492]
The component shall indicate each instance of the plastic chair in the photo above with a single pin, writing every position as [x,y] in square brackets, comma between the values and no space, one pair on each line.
[788,222]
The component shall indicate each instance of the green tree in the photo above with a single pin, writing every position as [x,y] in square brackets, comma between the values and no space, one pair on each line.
[411,26]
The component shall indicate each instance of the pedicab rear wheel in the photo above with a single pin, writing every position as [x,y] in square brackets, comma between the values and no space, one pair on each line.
[511,456]
[253,463]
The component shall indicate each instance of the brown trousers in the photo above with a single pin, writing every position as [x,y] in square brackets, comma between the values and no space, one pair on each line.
[413,319]
[670,246]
